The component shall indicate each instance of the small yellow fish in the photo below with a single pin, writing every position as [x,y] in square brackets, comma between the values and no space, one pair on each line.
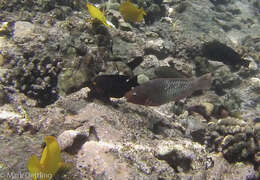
[131,13]
[50,162]
[97,14]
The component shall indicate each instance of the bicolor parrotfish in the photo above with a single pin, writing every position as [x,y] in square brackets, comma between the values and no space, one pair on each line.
[163,90]
[218,51]
[105,86]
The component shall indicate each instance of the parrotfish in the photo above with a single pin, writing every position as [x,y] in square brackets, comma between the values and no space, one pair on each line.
[163,90]
[106,86]
[217,51]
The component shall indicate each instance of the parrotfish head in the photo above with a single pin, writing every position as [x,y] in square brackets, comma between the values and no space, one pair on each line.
[136,97]
[133,97]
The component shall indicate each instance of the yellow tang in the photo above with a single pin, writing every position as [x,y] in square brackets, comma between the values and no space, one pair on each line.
[131,13]
[97,14]
[50,162]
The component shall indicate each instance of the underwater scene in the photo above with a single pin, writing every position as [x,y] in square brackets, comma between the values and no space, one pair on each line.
[130,89]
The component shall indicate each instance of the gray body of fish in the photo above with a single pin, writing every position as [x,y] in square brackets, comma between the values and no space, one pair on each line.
[163,90]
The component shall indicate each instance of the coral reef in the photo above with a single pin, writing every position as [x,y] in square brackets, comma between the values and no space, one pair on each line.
[52,56]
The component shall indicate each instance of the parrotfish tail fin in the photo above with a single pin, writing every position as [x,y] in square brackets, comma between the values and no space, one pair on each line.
[203,82]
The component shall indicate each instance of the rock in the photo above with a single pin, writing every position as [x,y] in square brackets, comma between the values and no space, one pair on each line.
[251,70]
[255,85]
[253,65]
[150,61]
[23,31]
[225,80]
[6,44]
[168,72]
[147,67]
[232,103]
[179,110]
[69,81]
[117,67]
[227,140]
[101,162]
[12,122]
[181,157]
[231,122]
[2,60]
[257,4]
[141,78]
[195,127]
[124,69]
[156,47]
[73,79]
[4,28]
[257,158]
[113,5]
[123,48]
[154,12]
[36,77]
[257,129]
[234,139]
[168,1]
[3,96]
[208,108]
[47,5]
[71,140]
[178,159]
[182,66]
[94,115]
[221,168]
[202,65]
[124,26]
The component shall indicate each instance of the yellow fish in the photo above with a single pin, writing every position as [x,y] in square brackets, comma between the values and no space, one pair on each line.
[97,14]
[131,13]
[50,162]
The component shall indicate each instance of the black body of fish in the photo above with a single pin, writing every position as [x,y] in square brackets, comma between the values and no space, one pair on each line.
[106,86]
[217,51]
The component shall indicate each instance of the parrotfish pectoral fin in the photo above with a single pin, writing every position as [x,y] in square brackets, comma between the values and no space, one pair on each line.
[34,166]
